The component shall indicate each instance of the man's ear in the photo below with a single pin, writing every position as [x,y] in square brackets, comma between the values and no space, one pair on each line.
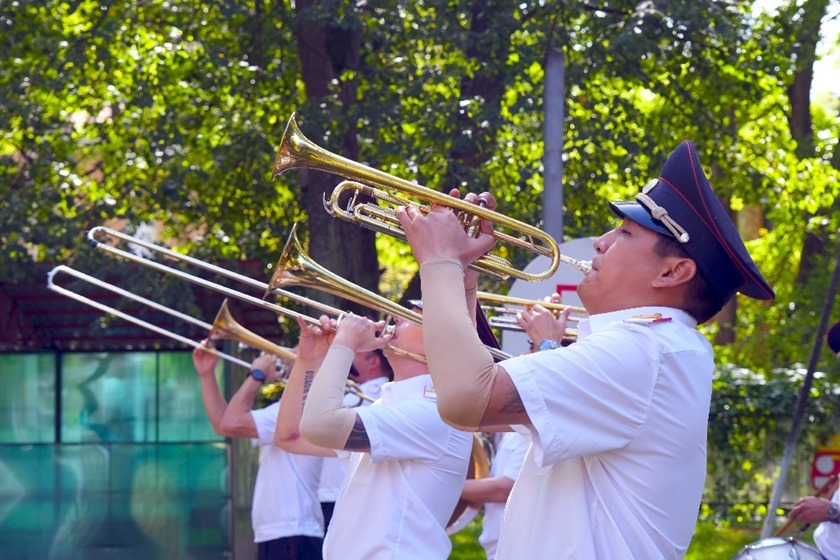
[677,271]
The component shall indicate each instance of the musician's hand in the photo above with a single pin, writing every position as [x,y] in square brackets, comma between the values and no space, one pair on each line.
[810,509]
[541,324]
[439,235]
[315,340]
[268,364]
[360,334]
[204,360]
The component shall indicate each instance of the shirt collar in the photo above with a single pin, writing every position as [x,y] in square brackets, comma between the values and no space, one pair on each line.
[417,387]
[595,323]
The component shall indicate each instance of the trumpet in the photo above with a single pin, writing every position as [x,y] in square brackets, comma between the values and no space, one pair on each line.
[229,292]
[504,310]
[224,325]
[296,269]
[297,151]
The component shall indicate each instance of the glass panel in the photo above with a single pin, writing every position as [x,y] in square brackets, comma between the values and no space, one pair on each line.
[27,509]
[109,397]
[182,416]
[27,401]
[124,501]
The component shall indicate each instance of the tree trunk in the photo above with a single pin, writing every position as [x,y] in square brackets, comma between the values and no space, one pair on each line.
[326,51]
[807,33]
[475,126]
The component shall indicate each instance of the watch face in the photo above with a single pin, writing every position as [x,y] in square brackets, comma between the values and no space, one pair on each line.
[833,512]
[258,374]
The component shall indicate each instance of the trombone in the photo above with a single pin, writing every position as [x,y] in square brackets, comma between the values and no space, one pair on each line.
[296,268]
[262,286]
[224,325]
[298,151]
[217,332]
[505,308]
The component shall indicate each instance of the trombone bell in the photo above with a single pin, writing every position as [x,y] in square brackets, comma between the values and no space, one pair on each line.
[226,327]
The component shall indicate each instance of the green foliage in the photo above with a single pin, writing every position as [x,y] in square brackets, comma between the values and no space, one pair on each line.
[749,424]
[170,112]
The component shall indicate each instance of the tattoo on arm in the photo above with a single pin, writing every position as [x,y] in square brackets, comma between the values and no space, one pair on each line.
[513,402]
[307,383]
[358,438]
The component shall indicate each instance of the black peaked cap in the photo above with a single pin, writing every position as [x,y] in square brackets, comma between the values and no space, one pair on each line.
[686,198]
[833,338]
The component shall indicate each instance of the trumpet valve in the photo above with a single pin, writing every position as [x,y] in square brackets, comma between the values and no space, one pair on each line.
[474,225]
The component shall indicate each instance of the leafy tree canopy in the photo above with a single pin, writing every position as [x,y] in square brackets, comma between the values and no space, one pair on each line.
[172,111]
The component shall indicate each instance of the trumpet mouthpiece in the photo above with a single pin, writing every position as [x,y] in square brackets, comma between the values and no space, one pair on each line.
[581,265]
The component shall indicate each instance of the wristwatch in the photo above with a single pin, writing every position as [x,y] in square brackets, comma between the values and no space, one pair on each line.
[548,344]
[834,513]
[258,374]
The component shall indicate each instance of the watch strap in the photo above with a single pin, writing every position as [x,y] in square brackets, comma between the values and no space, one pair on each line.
[834,513]
[548,344]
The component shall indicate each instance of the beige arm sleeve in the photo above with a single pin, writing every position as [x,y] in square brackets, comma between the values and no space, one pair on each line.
[471,295]
[462,369]
[325,421]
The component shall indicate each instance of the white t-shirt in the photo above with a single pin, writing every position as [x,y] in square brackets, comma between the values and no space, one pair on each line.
[286,490]
[827,535]
[618,460]
[507,461]
[396,500]
[333,469]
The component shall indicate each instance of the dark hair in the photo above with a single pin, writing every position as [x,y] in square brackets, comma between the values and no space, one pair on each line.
[701,301]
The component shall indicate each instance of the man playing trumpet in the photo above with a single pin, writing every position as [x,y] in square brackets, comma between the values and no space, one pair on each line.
[618,420]
[406,466]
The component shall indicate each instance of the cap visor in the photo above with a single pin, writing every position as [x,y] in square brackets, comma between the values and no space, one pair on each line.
[636,212]
[834,338]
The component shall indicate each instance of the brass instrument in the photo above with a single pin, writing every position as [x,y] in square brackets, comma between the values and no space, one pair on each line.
[296,268]
[224,326]
[298,151]
[229,292]
[503,310]
[131,319]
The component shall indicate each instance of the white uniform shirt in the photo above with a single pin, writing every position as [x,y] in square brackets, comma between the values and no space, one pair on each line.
[507,461]
[286,490]
[827,535]
[333,469]
[618,460]
[396,500]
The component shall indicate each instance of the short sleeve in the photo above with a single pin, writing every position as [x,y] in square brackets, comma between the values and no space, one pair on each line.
[265,420]
[516,456]
[590,397]
[409,429]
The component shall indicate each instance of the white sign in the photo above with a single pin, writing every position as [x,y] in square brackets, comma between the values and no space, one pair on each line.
[564,281]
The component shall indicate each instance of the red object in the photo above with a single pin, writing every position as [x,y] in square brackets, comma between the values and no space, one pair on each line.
[826,463]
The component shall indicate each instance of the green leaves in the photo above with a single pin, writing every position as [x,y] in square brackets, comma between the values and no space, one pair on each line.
[172,112]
